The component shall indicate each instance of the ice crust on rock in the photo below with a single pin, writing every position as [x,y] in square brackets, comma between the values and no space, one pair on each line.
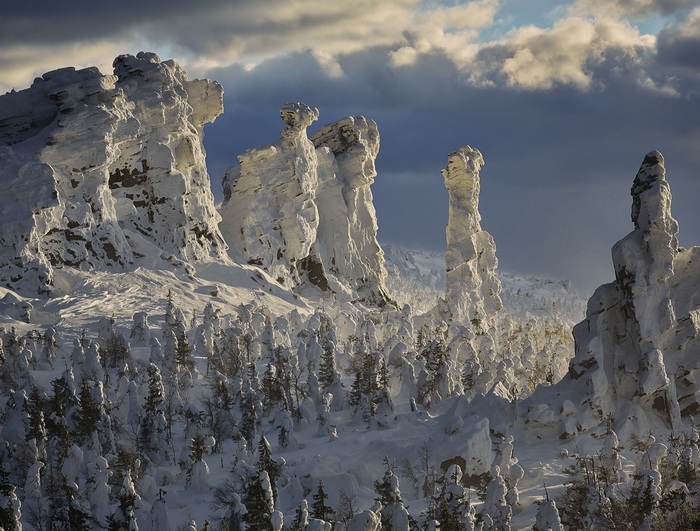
[472,284]
[637,351]
[111,158]
[302,208]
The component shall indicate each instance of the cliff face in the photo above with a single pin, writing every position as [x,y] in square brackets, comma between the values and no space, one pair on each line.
[115,165]
[302,208]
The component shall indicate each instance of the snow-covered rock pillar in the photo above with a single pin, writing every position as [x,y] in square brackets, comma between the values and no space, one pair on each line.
[643,266]
[269,210]
[644,258]
[347,243]
[472,284]
[631,344]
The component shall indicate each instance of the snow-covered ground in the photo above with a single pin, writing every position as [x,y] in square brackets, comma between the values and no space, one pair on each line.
[351,459]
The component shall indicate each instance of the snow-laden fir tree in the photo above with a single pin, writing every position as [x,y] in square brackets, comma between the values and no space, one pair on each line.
[451,508]
[10,506]
[265,462]
[154,438]
[124,517]
[301,517]
[88,413]
[197,474]
[98,490]
[140,334]
[495,512]
[547,517]
[394,516]
[259,502]
[319,508]
[159,513]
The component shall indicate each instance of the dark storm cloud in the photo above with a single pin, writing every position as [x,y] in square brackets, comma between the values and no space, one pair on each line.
[638,8]
[679,45]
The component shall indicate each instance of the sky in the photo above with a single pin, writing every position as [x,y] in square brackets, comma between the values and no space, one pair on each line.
[563,99]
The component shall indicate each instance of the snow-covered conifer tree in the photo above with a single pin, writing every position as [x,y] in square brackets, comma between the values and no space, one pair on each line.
[10,506]
[159,513]
[547,517]
[319,509]
[124,518]
[259,502]
[197,475]
[394,516]
[301,517]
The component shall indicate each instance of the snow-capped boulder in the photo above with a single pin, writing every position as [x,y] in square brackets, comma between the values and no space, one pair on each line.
[638,350]
[112,161]
[472,284]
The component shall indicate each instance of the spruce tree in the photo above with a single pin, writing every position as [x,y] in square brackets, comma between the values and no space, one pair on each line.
[124,518]
[257,503]
[60,406]
[249,415]
[88,413]
[10,505]
[196,454]
[319,509]
[183,352]
[327,369]
[79,517]
[267,463]
[152,408]
[272,391]
[394,515]
[301,517]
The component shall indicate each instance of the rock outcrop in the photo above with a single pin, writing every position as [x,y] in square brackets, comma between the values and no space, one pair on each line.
[115,167]
[346,243]
[302,208]
[269,211]
[472,284]
[637,352]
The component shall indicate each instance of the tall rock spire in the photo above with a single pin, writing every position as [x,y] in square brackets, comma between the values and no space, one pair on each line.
[302,208]
[472,285]
[269,210]
[347,236]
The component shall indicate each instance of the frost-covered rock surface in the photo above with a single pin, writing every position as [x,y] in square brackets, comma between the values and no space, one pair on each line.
[269,211]
[347,243]
[637,350]
[302,208]
[117,168]
[472,285]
